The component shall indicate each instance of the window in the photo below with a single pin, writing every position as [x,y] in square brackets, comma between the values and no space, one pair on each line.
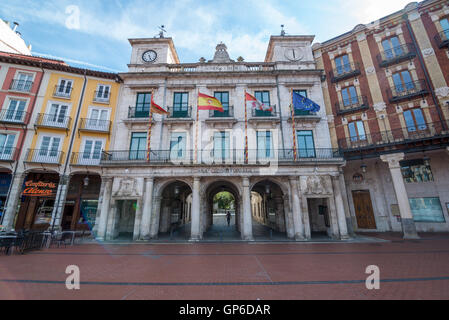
[23,82]
[357,131]
[445,26]
[221,145]
[223,97]
[178,145]
[64,89]
[6,146]
[98,119]
[143,104]
[180,104]
[264,145]
[349,96]
[306,145]
[138,147]
[392,47]
[264,97]
[416,170]
[342,64]
[57,117]
[102,93]
[414,119]
[91,151]
[15,111]
[403,81]
[301,112]
[426,209]
[49,150]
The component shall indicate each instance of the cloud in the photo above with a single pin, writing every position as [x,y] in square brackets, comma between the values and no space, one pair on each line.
[367,11]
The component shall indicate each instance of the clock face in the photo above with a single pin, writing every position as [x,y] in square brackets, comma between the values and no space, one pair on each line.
[294,54]
[149,56]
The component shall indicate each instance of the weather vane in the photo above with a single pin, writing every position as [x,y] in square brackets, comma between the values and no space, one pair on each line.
[282,30]
[161,33]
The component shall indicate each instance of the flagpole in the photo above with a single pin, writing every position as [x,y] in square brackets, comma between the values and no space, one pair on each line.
[293,126]
[196,133]
[246,131]
[149,128]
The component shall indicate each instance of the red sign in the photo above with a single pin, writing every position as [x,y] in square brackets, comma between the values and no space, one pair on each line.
[39,189]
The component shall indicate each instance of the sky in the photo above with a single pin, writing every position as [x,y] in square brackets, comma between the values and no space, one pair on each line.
[93,33]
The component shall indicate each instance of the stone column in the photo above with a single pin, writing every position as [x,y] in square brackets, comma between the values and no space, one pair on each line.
[13,200]
[105,208]
[247,227]
[408,224]
[195,233]
[341,218]
[58,209]
[155,218]
[146,213]
[447,149]
[296,209]
[280,215]
[344,195]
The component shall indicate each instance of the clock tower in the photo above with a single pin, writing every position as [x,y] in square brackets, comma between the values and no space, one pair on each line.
[147,52]
[290,50]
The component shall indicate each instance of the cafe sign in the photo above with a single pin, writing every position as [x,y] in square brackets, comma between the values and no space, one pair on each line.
[39,189]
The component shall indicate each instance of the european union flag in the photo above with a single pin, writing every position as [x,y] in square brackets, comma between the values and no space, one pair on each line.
[302,103]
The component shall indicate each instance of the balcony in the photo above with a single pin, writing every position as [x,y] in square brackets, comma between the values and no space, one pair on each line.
[353,104]
[182,112]
[227,113]
[442,39]
[407,91]
[138,113]
[102,97]
[14,117]
[345,72]
[255,113]
[220,157]
[95,125]
[409,139]
[21,85]
[52,121]
[8,154]
[44,156]
[85,159]
[64,92]
[396,55]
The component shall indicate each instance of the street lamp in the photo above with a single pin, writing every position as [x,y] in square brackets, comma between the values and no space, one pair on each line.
[86,181]
[363,167]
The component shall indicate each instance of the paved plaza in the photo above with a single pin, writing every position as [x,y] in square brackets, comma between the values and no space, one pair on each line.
[413,269]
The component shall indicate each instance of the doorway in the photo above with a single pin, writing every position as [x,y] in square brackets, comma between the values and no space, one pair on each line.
[363,209]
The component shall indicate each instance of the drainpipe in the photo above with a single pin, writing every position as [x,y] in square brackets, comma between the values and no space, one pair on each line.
[426,74]
[23,141]
[69,151]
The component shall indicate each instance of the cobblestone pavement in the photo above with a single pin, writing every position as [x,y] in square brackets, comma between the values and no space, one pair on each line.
[417,269]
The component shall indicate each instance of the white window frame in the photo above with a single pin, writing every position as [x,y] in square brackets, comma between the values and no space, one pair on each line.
[16,75]
[57,124]
[96,124]
[90,160]
[64,94]
[10,156]
[45,159]
[7,103]
[103,99]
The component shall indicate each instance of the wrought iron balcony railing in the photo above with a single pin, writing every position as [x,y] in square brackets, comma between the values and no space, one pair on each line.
[346,71]
[398,136]
[14,116]
[52,121]
[211,157]
[134,112]
[95,125]
[442,39]
[228,112]
[44,156]
[180,112]
[85,158]
[21,85]
[395,55]
[8,154]
[255,113]
[63,92]
[351,104]
[102,96]
[407,90]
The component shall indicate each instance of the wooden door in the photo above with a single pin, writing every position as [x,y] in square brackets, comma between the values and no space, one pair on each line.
[363,210]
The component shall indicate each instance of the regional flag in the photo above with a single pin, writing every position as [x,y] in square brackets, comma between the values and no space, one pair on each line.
[206,102]
[303,103]
[156,108]
[255,104]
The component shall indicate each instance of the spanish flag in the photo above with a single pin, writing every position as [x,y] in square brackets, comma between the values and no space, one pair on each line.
[156,108]
[206,102]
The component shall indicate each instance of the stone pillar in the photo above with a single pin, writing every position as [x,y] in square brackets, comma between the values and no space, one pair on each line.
[408,224]
[146,213]
[195,233]
[280,215]
[447,149]
[105,208]
[344,195]
[247,227]
[296,209]
[341,218]
[13,200]
[58,209]
[155,218]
